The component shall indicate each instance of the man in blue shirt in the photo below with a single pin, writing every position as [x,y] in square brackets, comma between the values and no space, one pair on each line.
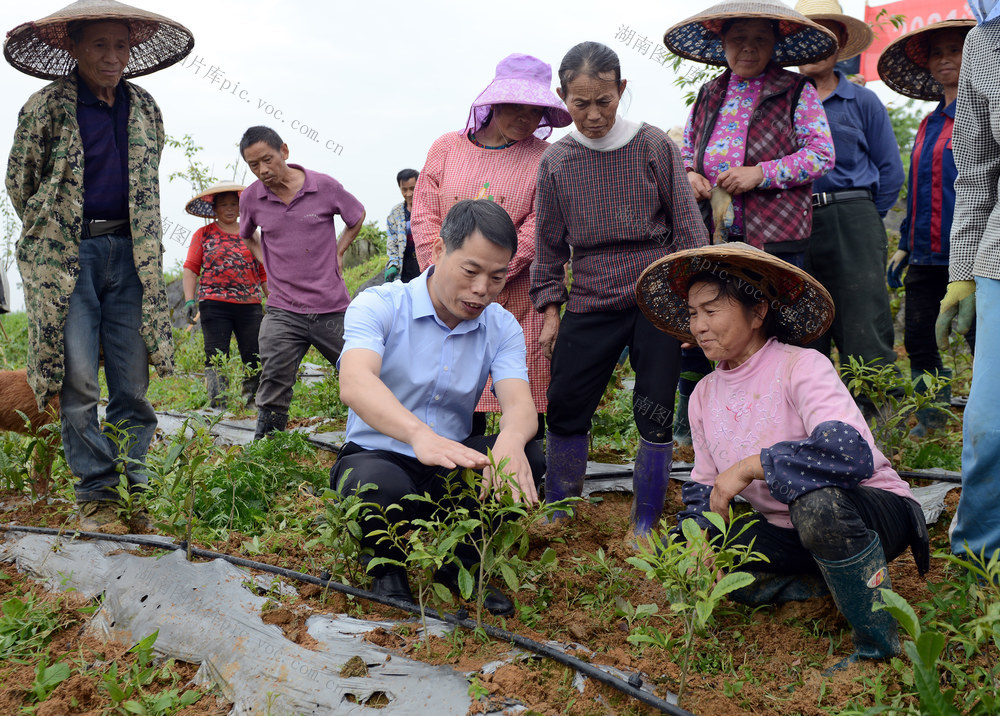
[848,247]
[415,361]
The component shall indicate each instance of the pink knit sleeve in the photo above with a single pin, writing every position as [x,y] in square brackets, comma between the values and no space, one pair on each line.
[426,218]
[815,156]
[818,394]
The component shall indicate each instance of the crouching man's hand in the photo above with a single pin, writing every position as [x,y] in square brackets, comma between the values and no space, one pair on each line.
[518,467]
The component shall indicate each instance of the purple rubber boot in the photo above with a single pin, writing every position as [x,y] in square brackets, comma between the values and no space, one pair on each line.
[565,467]
[650,478]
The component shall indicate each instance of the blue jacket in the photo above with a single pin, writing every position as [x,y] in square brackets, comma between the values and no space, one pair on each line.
[930,200]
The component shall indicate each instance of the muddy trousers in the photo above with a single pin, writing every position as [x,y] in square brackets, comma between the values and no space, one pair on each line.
[832,524]
[394,476]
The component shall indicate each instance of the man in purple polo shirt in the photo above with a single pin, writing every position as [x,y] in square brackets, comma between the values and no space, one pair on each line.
[295,209]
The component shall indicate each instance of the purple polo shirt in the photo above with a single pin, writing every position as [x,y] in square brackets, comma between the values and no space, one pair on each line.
[299,242]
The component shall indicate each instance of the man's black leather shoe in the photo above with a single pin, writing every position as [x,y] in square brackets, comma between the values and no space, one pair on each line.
[393,585]
[495,601]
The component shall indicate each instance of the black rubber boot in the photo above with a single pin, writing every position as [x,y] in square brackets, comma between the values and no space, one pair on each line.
[854,583]
[269,422]
[215,384]
[249,391]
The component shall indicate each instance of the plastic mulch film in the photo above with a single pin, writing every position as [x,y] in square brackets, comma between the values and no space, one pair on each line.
[205,614]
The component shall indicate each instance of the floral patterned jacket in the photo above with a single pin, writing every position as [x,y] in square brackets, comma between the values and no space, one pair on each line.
[45,184]
[396,244]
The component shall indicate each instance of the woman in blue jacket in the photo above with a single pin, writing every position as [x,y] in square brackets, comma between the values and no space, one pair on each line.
[924,64]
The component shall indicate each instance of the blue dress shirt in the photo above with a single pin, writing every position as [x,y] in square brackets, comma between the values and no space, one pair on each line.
[437,373]
[104,133]
[865,145]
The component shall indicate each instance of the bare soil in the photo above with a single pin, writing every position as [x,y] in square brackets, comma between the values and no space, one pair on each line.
[767,660]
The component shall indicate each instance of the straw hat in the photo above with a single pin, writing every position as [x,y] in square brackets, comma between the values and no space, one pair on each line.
[802,41]
[521,79]
[41,48]
[802,307]
[859,33]
[203,205]
[903,64]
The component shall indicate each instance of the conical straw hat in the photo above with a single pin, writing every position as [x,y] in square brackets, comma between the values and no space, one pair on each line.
[803,309]
[903,65]
[859,34]
[41,48]
[203,205]
[800,40]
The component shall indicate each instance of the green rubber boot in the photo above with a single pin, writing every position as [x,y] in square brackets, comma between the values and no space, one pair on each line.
[854,583]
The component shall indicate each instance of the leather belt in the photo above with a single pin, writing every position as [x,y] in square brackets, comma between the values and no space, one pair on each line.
[832,197]
[100,227]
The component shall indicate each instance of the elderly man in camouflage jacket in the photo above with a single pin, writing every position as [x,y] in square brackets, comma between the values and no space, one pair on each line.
[83,177]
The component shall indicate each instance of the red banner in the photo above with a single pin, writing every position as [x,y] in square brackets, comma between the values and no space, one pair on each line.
[917,14]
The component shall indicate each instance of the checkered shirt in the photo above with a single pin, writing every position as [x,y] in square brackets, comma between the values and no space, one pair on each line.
[975,231]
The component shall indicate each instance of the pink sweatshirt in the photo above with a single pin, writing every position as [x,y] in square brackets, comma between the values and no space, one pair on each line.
[780,394]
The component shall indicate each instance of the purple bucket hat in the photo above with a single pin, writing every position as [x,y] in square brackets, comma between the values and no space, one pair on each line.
[521,79]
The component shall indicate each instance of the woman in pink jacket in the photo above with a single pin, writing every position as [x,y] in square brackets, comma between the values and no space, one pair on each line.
[774,424]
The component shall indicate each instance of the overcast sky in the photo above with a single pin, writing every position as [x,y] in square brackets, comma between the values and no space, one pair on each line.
[359,90]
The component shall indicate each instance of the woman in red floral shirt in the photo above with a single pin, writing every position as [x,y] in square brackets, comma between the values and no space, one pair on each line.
[230,288]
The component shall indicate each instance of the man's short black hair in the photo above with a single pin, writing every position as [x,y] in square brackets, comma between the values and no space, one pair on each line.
[260,134]
[406,175]
[488,217]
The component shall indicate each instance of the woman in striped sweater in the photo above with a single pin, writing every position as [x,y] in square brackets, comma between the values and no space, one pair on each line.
[614,195]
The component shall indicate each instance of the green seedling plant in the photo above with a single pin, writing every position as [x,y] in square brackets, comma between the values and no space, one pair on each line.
[176,475]
[500,539]
[31,466]
[954,646]
[233,372]
[428,545]
[132,496]
[339,533]
[129,689]
[696,572]
[27,626]
[895,398]
[47,678]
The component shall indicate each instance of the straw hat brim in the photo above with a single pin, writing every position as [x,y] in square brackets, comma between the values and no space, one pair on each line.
[203,205]
[860,35]
[802,41]
[903,64]
[802,307]
[41,48]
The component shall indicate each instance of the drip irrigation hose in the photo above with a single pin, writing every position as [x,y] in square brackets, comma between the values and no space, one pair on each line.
[630,687]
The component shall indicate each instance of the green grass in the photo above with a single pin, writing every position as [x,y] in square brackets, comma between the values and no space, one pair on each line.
[14,349]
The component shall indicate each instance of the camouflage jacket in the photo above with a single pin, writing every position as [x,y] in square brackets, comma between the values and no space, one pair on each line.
[45,184]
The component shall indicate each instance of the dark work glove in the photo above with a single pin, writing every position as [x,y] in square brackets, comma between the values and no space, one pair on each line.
[391,272]
[894,275]
[191,311]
